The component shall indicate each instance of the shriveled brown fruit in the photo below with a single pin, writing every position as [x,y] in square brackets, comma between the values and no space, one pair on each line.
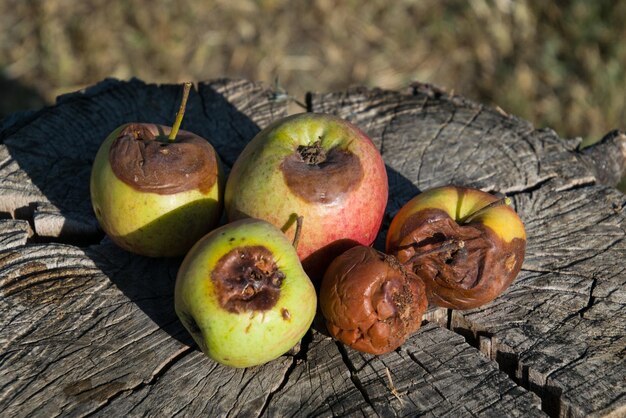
[467,245]
[370,301]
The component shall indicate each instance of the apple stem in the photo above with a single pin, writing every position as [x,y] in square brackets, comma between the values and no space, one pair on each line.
[181,112]
[504,201]
[296,237]
[450,245]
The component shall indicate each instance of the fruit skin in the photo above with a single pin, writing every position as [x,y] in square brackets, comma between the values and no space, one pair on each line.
[340,211]
[249,337]
[150,223]
[370,301]
[494,243]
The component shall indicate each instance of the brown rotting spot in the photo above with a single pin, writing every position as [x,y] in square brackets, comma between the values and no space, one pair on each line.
[247,279]
[285,314]
[142,157]
[320,176]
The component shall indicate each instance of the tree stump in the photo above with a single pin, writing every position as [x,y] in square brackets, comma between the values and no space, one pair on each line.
[88,329]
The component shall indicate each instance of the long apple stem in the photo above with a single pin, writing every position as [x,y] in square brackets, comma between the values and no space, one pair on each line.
[450,245]
[296,237]
[500,202]
[181,112]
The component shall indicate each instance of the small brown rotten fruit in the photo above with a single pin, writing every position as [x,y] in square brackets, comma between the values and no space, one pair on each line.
[467,245]
[370,301]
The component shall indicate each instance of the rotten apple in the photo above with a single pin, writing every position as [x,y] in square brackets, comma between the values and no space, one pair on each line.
[242,294]
[156,190]
[317,166]
[370,301]
[467,245]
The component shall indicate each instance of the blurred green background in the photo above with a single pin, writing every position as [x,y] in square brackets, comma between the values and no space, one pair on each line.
[558,64]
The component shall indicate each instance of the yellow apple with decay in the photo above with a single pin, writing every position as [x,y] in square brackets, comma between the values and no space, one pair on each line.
[467,245]
[156,190]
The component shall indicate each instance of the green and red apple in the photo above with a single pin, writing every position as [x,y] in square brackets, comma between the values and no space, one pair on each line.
[467,245]
[156,190]
[242,294]
[317,166]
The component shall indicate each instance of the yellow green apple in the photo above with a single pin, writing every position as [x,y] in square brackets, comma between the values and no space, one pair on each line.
[155,196]
[242,294]
[156,190]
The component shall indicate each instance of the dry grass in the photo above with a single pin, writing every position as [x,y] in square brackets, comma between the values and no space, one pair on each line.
[558,66]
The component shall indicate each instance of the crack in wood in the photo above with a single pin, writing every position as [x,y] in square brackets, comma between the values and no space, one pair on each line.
[509,362]
[354,378]
[440,129]
[576,184]
[298,358]
[526,188]
[156,374]
[592,299]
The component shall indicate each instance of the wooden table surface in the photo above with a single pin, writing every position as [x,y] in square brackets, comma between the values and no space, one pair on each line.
[88,329]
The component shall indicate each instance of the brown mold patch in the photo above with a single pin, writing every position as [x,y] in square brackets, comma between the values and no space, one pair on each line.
[142,157]
[285,314]
[320,176]
[391,306]
[463,266]
[247,279]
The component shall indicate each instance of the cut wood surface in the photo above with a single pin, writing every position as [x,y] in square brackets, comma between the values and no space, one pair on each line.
[560,329]
[89,329]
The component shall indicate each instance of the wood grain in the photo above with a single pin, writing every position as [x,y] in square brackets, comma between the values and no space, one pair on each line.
[89,329]
[559,329]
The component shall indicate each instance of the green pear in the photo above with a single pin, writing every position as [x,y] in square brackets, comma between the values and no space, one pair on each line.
[242,294]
